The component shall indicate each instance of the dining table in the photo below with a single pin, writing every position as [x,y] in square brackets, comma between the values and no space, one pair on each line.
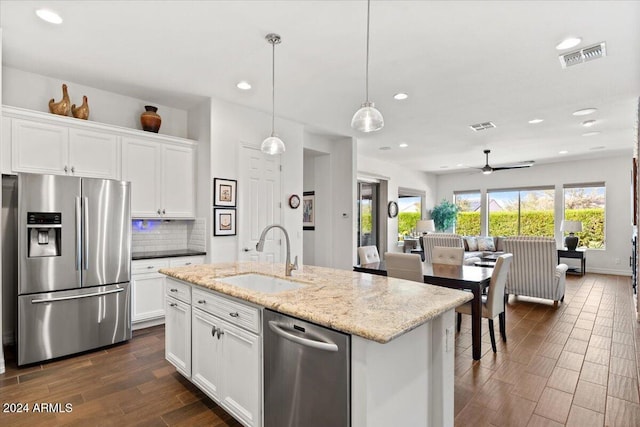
[472,278]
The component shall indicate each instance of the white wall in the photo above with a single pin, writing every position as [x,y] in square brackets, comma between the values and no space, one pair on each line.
[614,171]
[233,126]
[399,177]
[331,161]
[33,91]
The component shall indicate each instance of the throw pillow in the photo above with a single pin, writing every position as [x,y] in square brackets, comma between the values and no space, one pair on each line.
[486,244]
[472,243]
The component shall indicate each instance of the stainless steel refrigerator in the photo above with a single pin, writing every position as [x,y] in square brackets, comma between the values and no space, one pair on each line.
[74,265]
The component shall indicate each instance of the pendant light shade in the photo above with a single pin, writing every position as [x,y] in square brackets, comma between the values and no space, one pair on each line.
[272,144]
[367,118]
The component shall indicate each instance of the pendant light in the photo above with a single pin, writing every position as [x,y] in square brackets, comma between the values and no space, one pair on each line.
[367,118]
[273,145]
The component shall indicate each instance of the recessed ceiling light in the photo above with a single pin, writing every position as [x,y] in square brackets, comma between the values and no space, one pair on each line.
[591,133]
[536,121]
[568,43]
[563,152]
[403,145]
[49,15]
[588,123]
[385,148]
[585,111]
[244,85]
[400,96]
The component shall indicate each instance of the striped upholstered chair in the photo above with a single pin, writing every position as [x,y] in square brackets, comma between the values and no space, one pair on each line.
[449,240]
[535,271]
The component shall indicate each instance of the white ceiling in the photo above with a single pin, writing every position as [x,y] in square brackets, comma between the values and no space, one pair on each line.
[461,62]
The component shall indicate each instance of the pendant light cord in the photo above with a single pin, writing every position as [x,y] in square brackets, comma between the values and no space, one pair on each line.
[367,68]
[273,88]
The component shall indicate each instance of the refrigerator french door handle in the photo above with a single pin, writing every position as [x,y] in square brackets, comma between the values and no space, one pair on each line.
[85,233]
[94,294]
[78,234]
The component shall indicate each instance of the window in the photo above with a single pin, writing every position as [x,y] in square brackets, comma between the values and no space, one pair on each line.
[409,211]
[367,214]
[586,203]
[521,212]
[468,218]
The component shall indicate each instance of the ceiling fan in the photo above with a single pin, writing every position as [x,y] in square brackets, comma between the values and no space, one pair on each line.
[486,169]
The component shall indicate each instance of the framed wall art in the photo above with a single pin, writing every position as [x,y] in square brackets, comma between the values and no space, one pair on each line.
[224,222]
[308,210]
[224,192]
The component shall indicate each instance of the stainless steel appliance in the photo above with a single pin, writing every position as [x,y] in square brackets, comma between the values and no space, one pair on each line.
[307,377]
[73,254]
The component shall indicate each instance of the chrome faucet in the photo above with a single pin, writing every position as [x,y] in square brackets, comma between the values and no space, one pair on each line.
[260,246]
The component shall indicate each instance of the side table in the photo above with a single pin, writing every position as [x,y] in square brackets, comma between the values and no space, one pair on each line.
[577,254]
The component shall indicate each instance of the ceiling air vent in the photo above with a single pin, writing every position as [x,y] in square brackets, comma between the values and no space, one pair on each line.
[583,55]
[482,126]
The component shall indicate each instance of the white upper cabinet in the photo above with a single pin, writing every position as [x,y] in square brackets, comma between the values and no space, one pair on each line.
[161,168]
[162,178]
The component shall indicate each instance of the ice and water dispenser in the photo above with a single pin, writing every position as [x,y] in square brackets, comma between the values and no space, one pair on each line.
[43,234]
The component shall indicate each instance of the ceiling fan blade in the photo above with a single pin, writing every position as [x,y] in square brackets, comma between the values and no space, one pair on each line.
[526,165]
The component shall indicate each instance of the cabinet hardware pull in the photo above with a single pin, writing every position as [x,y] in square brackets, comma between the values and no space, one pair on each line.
[66,169]
[201,301]
[220,332]
[187,263]
[213,331]
[173,304]
[163,212]
[159,212]
[73,169]
[173,290]
[236,314]
[150,267]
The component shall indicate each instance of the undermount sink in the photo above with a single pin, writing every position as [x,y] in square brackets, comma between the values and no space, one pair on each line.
[260,283]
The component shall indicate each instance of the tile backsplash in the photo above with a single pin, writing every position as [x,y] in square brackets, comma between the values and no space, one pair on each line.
[162,235]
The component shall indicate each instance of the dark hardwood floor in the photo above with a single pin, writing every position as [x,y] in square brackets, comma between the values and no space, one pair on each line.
[130,384]
[574,365]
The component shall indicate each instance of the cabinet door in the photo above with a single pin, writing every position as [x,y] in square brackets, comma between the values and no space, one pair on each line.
[242,368]
[148,296]
[205,353]
[177,335]
[5,150]
[141,166]
[178,181]
[39,147]
[94,154]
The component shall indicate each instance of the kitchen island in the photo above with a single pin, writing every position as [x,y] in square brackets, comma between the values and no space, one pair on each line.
[402,335]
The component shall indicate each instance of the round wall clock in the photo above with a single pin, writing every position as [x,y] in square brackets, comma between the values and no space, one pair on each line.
[392,208]
[294,201]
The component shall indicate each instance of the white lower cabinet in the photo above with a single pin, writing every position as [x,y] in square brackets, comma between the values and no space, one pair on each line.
[177,334]
[226,354]
[148,288]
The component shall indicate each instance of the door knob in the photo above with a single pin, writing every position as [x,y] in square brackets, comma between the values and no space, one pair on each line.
[246,249]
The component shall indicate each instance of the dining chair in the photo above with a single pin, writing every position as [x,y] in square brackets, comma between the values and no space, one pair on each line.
[493,302]
[447,255]
[368,254]
[404,266]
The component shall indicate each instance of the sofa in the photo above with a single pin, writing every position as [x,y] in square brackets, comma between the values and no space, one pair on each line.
[448,240]
[481,246]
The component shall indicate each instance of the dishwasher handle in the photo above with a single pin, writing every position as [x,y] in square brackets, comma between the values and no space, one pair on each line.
[320,345]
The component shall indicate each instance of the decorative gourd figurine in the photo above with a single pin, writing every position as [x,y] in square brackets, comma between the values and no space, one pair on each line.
[64,106]
[81,112]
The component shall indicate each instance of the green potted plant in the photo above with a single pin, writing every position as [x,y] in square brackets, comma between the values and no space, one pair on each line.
[444,215]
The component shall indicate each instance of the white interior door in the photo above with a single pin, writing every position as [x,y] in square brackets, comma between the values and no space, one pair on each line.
[259,196]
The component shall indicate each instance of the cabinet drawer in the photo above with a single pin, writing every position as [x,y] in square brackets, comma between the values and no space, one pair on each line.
[183,261]
[144,266]
[178,290]
[232,311]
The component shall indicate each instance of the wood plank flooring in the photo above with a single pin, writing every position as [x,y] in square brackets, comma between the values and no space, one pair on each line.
[575,365]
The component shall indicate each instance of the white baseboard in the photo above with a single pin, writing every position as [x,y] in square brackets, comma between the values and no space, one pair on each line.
[615,272]
[147,323]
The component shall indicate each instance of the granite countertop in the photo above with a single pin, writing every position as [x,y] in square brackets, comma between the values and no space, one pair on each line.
[374,307]
[165,254]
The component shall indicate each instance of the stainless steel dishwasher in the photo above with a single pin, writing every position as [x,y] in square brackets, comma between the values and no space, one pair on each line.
[307,374]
